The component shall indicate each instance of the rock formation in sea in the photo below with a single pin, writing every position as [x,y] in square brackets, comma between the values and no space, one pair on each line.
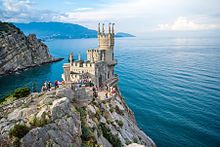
[60,118]
[19,52]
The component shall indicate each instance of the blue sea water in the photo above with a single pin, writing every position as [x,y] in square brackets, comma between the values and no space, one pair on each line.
[171,83]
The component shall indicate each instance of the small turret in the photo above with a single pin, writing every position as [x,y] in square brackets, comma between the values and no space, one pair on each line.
[79,56]
[103,29]
[109,28]
[113,29]
[71,58]
[99,28]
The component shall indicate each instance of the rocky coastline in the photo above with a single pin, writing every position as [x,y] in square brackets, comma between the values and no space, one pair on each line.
[19,52]
[60,118]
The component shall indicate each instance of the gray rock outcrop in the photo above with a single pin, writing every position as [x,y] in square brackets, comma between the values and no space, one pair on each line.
[55,119]
[19,52]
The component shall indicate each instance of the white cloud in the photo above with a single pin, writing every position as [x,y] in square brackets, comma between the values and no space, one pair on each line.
[183,24]
[16,6]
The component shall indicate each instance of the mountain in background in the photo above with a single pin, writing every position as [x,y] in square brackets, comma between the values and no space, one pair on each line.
[121,34]
[59,30]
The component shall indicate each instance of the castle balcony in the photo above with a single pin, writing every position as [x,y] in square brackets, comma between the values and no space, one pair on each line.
[113,81]
[113,62]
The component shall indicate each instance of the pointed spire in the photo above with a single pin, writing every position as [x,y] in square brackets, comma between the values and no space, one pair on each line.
[79,56]
[113,30]
[99,28]
[109,28]
[71,58]
[103,28]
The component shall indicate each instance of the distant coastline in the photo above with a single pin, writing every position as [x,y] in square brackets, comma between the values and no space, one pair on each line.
[58,30]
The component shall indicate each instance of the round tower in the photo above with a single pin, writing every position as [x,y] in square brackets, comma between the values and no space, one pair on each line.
[106,42]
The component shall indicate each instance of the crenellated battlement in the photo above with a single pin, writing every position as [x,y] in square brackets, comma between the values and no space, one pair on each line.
[106,40]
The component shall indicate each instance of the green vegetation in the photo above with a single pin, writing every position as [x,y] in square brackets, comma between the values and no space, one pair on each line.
[21,92]
[127,141]
[88,137]
[111,110]
[18,93]
[38,122]
[5,26]
[120,123]
[24,105]
[117,110]
[113,139]
[135,140]
[19,130]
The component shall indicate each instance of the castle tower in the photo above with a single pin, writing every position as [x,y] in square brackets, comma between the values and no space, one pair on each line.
[106,42]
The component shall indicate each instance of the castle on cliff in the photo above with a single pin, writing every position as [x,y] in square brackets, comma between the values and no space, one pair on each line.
[100,63]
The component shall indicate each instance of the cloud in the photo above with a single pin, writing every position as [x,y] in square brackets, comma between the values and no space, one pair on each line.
[24,11]
[183,24]
[136,16]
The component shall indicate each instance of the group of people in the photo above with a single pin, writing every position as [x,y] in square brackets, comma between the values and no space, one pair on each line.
[110,92]
[48,85]
[86,82]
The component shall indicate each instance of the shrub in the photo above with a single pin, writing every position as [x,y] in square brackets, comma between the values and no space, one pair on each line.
[21,92]
[82,112]
[127,141]
[117,109]
[19,130]
[120,123]
[113,139]
[111,110]
[135,140]
[87,133]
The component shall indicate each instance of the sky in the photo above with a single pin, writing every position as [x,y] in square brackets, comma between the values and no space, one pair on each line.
[133,16]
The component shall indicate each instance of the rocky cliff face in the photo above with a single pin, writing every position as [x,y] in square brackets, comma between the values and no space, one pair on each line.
[19,52]
[56,119]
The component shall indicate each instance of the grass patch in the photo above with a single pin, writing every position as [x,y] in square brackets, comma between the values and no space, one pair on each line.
[16,94]
[88,137]
[19,130]
[120,123]
[113,139]
[39,122]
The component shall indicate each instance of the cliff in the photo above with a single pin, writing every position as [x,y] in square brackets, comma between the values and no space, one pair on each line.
[62,117]
[19,52]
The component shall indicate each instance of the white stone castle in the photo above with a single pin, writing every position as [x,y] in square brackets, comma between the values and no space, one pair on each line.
[99,66]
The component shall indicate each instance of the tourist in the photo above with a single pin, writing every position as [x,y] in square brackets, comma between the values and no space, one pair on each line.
[113,91]
[44,88]
[49,85]
[56,84]
[106,95]
[90,83]
[63,82]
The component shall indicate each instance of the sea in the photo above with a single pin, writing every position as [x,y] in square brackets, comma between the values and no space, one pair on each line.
[172,84]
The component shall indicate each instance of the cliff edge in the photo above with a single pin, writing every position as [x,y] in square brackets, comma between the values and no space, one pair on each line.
[19,52]
[62,118]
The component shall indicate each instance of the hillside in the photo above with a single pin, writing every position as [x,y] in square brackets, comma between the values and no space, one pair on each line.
[19,52]
[59,30]
[63,118]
